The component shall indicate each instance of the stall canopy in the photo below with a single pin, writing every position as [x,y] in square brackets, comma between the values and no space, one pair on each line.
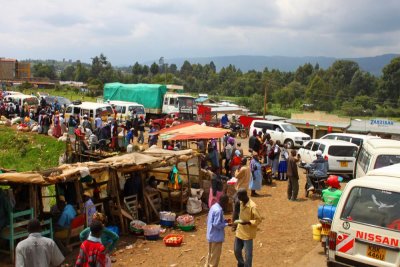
[129,161]
[191,131]
[183,155]
[63,173]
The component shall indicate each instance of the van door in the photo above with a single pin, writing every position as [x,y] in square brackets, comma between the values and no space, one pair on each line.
[362,163]
[365,228]
[278,133]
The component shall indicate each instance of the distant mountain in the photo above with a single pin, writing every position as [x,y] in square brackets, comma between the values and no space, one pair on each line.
[373,65]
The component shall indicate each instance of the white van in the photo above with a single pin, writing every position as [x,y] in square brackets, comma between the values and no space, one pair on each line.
[365,229]
[340,155]
[91,109]
[21,100]
[376,153]
[357,139]
[125,108]
[285,132]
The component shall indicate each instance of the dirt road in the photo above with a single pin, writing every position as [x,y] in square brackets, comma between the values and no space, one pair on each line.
[284,237]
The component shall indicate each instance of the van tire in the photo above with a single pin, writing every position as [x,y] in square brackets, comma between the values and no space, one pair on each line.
[289,143]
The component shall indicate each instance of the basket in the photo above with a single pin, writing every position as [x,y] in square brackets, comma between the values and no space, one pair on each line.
[173,240]
[186,228]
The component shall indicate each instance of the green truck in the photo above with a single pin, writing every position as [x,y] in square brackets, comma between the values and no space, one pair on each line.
[157,99]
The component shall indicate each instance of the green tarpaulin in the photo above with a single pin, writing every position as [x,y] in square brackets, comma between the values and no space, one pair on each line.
[149,95]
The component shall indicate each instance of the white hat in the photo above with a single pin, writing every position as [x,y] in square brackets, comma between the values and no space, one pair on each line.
[319,153]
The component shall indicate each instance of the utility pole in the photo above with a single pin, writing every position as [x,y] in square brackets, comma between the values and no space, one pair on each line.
[265,98]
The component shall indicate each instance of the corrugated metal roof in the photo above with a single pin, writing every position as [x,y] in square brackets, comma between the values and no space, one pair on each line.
[364,126]
[319,123]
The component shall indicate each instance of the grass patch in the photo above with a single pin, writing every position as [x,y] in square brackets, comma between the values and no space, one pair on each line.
[28,151]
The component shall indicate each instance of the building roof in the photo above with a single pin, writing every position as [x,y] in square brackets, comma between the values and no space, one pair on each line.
[342,125]
[376,125]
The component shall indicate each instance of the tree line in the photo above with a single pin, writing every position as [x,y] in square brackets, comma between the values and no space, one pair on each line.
[343,87]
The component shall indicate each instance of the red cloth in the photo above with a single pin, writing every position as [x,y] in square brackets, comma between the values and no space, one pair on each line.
[235,161]
[91,254]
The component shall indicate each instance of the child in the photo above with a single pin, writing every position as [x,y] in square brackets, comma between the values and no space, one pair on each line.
[282,169]
[92,252]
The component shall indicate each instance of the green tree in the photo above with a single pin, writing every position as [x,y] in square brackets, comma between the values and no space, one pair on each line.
[154,68]
[389,88]
[318,93]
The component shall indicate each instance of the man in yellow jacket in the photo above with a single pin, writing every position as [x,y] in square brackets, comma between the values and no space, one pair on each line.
[249,219]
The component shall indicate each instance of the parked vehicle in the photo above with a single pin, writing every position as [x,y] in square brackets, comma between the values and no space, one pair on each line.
[357,139]
[124,109]
[365,227]
[375,154]
[91,109]
[61,100]
[340,154]
[237,129]
[22,99]
[285,132]
[158,100]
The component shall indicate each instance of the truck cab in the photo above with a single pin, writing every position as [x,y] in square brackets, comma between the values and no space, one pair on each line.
[177,103]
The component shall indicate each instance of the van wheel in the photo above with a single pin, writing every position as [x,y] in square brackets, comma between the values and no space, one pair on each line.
[289,143]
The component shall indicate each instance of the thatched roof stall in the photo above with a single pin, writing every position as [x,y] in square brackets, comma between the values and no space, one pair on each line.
[36,181]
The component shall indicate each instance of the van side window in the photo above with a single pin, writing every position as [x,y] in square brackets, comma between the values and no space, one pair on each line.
[373,200]
[364,159]
[166,101]
[330,137]
[263,125]
[315,146]
[277,128]
[344,138]
[77,110]
[308,146]
[69,110]
[386,160]
[322,147]
[357,141]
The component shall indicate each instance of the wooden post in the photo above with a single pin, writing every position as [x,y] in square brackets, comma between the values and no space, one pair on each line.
[145,201]
[113,175]
[188,176]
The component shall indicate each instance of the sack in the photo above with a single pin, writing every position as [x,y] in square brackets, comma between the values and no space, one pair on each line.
[271,154]
[193,205]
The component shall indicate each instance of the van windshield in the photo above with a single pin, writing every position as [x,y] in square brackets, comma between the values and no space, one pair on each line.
[289,128]
[386,160]
[373,207]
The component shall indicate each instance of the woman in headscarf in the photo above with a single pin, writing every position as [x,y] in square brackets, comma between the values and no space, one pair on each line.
[256,175]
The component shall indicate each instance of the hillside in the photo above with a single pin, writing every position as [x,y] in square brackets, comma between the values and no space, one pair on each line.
[245,63]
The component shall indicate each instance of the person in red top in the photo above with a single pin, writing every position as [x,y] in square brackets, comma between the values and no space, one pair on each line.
[92,252]
[235,162]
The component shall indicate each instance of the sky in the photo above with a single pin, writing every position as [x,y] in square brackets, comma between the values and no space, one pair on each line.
[145,30]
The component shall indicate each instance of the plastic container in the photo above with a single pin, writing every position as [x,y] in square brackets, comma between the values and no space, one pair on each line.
[316,230]
[186,228]
[136,227]
[152,237]
[173,240]
[151,230]
[167,223]
[326,211]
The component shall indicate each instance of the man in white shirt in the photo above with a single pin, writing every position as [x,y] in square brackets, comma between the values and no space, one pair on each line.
[37,250]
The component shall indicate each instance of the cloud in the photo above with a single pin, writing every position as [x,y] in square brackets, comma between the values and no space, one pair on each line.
[135,30]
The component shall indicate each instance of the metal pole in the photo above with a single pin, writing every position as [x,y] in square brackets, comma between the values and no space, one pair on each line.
[265,99]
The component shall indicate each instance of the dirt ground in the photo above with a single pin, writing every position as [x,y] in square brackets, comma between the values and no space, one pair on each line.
[284,237]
